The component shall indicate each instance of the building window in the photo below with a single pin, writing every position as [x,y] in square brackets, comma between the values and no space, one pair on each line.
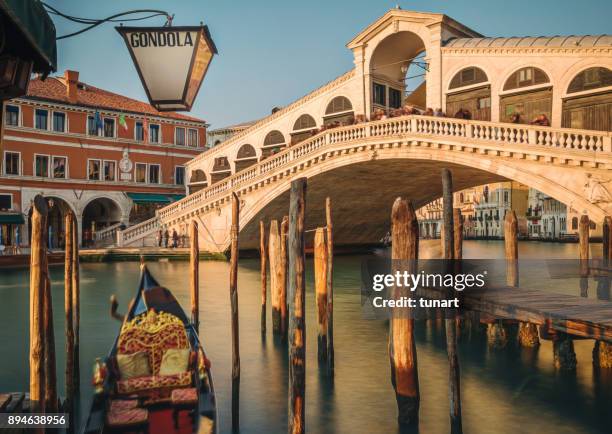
[12,163]
[59,122]
[192,137]
[395,98]
[141,172]
[40,119]
[92,128]
[138,132]
[109,171]
[154,133]
[179,175]
[379,91]
[109,127]
[41,166]
[93,170]
[179,136]
[484,102]
[59,167]
[154,174]
[6,202]
[12,115]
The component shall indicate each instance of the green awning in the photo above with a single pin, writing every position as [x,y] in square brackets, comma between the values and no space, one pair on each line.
[30,33]
[154,197]
[11,219]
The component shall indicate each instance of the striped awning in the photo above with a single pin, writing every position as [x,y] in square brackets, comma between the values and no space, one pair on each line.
[143,198]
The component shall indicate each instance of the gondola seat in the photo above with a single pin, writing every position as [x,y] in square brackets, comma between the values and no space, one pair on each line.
[153,333]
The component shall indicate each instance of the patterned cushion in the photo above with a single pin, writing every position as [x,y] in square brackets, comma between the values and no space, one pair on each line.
[174,361]
[153,382]
[122,404]
[153,333]
[133,365]
[127,417]
[188,395]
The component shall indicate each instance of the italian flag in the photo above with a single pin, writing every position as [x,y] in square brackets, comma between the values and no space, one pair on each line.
[122,122]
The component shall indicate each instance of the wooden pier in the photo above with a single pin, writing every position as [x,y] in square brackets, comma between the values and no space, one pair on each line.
[574,315]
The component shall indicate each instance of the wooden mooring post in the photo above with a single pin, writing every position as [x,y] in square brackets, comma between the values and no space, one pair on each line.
[76,304]
[263,271]
[38,280]
[402,347]
[194,273]
[275,272]
[297,317]
[234,308]
[330,286]
[320,277]
[450,323]
[69,329]
[583,240]
[51,403]
[527,333]
[603,283]
[282,278]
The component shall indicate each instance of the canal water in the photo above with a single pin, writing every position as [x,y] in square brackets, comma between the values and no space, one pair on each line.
[508,391]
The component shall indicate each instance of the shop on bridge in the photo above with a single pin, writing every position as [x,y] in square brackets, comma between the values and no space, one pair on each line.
[470,89]
[273,143]
[246,157]
[588,104]
[528,94]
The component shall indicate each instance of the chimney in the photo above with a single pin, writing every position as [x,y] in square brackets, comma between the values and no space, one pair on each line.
[71,78]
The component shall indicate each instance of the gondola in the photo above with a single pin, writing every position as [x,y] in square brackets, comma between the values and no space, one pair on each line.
[156,378]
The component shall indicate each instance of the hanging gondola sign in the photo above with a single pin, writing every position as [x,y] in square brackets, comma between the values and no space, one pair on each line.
[171,62]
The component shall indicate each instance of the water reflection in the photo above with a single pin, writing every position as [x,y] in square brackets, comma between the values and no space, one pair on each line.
[505,391]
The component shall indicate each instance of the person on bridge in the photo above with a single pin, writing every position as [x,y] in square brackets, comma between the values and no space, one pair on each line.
[429,112]
[439,113]
[541,120]
[515,118]
[159,237]
[174,239]
[166,236]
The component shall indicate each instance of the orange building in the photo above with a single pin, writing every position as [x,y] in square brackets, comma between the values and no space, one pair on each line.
[110,159]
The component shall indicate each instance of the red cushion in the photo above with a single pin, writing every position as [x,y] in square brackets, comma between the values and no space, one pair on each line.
[126,417]
[187,395]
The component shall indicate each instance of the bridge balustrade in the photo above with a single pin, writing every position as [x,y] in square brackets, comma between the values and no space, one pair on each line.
[500,133]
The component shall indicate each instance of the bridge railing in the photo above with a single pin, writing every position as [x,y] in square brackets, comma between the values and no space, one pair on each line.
[502,133]
[136,231]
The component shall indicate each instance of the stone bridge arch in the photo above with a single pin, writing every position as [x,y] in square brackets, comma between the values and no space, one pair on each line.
[408,168]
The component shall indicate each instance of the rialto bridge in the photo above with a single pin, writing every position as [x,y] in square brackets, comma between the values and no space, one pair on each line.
[332,135]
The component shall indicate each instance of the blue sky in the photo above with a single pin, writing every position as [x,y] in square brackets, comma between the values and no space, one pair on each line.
[272,51]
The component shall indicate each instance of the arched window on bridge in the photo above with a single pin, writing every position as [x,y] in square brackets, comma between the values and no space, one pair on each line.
[246,157]
[221,169]
[304,127]
[588,103]
[470,89]
[339,111]
[398,69]
[273,143]
[528,94]
[197,181]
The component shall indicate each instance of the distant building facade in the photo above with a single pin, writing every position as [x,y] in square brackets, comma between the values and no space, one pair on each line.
[494,202]
[220,135]
[109,159]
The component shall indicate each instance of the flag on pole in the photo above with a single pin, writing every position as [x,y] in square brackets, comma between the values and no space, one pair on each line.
[122,122]
[98,122]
